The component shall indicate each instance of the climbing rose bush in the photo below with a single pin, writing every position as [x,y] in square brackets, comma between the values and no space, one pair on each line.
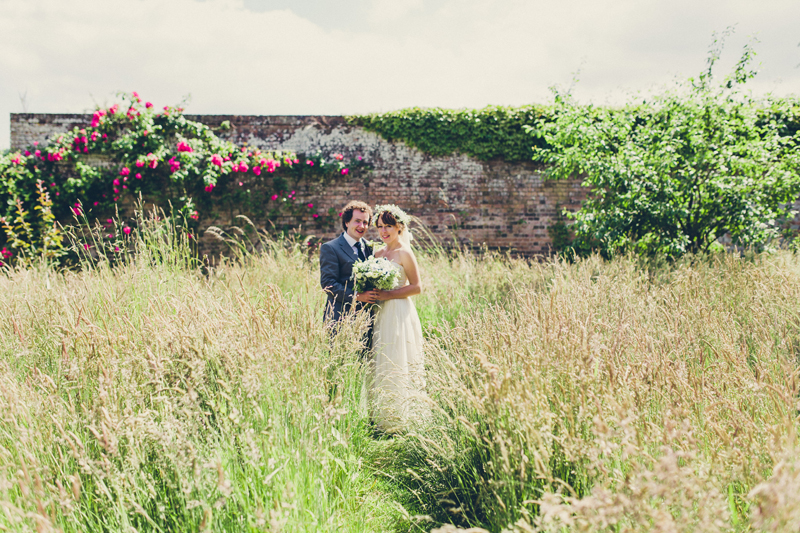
[132,148]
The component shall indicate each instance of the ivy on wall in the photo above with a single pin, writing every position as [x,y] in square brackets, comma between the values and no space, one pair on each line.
[488,133]
[496,131]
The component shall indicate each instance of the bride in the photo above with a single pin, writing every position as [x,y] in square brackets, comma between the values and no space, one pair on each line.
[398,373]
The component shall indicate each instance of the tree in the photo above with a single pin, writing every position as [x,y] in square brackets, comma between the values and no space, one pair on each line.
[676,174]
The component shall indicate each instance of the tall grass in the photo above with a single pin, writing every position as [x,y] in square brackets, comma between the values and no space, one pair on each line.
[158,394]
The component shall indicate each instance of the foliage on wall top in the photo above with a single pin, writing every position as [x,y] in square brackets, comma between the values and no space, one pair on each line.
[488,133]
[500,132]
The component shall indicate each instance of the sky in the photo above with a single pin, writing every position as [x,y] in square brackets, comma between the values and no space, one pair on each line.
[304,57]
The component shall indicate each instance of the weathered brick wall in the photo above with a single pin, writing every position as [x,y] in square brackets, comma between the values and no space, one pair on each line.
[506,206]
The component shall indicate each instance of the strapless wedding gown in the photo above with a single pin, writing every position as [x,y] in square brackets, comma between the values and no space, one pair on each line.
[397,388]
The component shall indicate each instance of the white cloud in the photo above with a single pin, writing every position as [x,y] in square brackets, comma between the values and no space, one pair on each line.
[451,53]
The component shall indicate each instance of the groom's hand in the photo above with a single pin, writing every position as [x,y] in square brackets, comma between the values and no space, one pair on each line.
[369,297]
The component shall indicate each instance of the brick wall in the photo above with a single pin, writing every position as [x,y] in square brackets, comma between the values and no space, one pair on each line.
[505,206]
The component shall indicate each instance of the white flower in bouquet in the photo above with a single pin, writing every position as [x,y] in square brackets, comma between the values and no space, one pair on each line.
[374,273]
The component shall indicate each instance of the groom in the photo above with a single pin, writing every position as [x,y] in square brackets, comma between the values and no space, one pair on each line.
[336,260]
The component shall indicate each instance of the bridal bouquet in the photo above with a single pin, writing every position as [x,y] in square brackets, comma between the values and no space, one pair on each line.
[374,273]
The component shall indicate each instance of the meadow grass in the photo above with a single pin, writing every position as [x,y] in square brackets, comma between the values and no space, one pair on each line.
[154,393]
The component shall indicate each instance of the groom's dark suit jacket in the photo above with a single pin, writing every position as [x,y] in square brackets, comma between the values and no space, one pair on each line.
[336,260]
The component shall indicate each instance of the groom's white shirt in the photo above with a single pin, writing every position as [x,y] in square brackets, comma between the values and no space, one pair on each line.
[352,242]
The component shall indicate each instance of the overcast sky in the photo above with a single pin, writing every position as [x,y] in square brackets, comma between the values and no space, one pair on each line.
[277,57]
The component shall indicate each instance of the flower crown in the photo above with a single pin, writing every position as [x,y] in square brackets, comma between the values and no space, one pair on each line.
[398,214]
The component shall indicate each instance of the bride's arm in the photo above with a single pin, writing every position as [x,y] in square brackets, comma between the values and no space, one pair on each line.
[414,286]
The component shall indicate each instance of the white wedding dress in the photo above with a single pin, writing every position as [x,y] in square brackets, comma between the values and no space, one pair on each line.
[397,388]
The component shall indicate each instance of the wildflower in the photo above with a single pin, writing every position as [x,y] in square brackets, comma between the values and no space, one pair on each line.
[310,206]
[52,184]
[309,162]
[109,221]
[209,188]
[241,183]
[116,248]
[96,204]
[126,230]
[195,215]
[315,215]
[359,157]
[145,132]
[274,197]
[86,246]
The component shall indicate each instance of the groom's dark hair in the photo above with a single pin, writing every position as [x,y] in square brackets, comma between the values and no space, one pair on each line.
[355,205]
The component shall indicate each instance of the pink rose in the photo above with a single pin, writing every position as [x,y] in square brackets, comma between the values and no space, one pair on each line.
[116,181]
[27,153]
[345,171]
[243,167]
[125,171]
[148,105]
[315,215]
[310,206]
[274,197]
[257,171]
[184,147]
[138,176]
[309,162]
[216,160]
